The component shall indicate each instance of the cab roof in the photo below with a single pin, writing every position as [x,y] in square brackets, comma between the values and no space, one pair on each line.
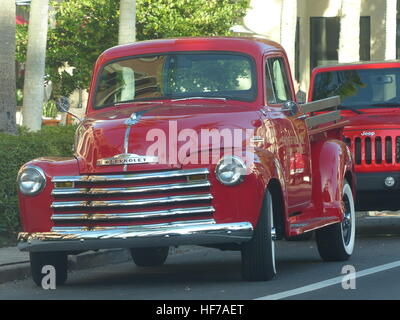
[250,45]
[359,65]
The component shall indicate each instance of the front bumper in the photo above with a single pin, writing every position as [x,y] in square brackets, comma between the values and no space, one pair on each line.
[375,181]
[198,232]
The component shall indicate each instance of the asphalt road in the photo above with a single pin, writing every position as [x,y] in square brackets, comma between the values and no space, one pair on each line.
[210,274]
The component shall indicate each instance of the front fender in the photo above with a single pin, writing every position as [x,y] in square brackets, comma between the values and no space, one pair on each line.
[35,211]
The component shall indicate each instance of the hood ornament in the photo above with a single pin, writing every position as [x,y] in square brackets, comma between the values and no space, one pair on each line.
[133,119]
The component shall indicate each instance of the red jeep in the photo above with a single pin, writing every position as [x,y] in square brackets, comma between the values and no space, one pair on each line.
[370,101]
[192,141]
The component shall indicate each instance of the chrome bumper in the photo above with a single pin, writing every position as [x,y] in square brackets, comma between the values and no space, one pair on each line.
[198,232]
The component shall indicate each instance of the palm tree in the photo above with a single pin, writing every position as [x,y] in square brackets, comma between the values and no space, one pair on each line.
[288,30]
[7,67]
[35,65]
[391,26]
[127,21]
[349,38]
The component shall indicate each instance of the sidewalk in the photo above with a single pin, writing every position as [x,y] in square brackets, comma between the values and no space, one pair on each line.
[14,264]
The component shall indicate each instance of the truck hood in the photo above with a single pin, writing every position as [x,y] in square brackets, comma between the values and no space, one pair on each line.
[104,135]
[373,119]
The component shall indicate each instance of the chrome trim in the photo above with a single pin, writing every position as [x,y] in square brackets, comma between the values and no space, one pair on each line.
[131,177]
[194,232]
[129,190]
[41,173]
[129,122]
[131,203]
[143,227]
[132,216]
[256,139]
[126,159]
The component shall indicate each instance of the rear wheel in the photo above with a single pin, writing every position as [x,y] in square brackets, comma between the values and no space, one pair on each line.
[258,255]
[57,260]
[149,257]
[336,242]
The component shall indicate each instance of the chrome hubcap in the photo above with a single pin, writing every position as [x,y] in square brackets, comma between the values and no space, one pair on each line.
[273,234]
[346,223]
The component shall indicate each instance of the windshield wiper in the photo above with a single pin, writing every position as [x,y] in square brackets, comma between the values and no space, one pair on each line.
[199,98]
[117,104]
[355,110]
[383,104]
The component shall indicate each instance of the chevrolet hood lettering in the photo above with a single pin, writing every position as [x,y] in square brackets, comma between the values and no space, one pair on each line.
[126,159]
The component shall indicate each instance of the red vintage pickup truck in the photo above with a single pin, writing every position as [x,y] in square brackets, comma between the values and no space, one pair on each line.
[193,141]
[369,93]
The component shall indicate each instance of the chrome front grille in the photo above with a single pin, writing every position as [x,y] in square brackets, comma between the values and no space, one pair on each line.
[376,150]
[131,198]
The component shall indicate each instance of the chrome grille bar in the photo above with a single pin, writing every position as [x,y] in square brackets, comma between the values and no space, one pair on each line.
[133,215]
[142,226]
[131,177]
[131,203]
[129,190]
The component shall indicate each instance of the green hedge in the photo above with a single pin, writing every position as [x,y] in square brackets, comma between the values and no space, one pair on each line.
[14,152]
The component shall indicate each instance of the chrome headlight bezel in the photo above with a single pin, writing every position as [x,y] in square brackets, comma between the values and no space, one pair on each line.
[232,162]
[31,175]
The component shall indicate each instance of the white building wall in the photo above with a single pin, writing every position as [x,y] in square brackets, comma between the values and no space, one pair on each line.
[264,18]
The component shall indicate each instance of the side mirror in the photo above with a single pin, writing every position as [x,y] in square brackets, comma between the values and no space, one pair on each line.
[63,104]
[291,106]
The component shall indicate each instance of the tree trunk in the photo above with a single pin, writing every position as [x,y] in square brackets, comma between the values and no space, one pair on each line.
[349,38]
[127,21]
[391,26]
[35,65]
[288,30]
[7,68]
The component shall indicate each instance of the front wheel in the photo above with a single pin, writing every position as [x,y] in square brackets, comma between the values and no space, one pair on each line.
[336,242]
[258,255]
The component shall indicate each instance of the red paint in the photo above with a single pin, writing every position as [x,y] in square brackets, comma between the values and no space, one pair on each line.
[309,171]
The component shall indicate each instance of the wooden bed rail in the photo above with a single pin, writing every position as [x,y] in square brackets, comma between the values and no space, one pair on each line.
[315,120]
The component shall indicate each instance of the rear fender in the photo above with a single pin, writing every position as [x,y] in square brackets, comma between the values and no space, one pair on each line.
[331,165]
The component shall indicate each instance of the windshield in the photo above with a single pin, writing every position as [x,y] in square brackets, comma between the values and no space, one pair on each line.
[367,88]
[176,76]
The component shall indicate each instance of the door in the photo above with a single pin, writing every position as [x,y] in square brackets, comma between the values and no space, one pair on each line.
[292,144]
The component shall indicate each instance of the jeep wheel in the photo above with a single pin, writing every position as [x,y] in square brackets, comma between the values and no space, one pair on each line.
[336,242]
[58,260]
[258,255]
[149,257]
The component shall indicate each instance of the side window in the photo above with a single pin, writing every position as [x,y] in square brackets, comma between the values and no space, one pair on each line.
[277,84]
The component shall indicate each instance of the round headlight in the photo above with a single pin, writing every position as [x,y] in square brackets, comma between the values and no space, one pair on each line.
[230,170]
[31,180]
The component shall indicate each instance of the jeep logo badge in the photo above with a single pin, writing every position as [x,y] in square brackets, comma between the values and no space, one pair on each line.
[125,159]
[368,133]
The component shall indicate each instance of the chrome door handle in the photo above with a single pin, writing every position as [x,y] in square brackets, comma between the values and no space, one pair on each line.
[303,116]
